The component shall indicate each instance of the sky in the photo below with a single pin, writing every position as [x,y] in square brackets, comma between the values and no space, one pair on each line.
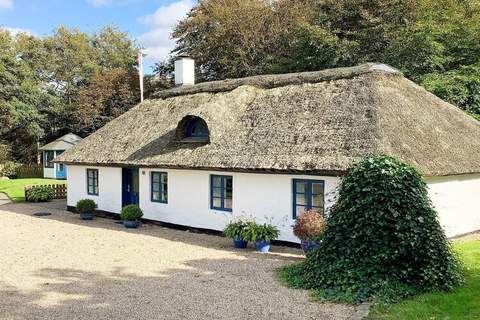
[148,21]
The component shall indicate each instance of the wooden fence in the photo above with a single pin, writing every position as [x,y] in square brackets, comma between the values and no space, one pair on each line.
[30,171]
[59,190]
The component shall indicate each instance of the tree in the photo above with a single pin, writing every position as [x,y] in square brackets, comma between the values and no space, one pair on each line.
[237,38]
[68,81]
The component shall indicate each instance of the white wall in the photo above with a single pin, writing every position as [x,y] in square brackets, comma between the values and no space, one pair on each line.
[456,199]
[265,196]
[261,195]
[49,172]
[109,187]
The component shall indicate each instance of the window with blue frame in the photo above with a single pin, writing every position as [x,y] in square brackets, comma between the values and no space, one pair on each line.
[308,194]
[159,187]
[221,192]
[92,182]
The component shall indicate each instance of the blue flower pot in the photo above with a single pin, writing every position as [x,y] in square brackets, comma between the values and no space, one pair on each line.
[308,246]
[239,243]
[130,224]
[262,246]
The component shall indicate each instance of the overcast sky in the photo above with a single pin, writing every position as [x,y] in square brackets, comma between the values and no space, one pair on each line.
[148,21]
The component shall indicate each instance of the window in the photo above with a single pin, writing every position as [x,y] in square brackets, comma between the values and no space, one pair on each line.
[49,156]
[197,128]
[221,192]
[92,182]
[308,194]
[159,187]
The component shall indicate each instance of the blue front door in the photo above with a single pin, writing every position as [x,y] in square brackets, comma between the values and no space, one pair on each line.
[61,171]
[130,187]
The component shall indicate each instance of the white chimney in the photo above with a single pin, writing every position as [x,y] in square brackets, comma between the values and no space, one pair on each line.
[184,71]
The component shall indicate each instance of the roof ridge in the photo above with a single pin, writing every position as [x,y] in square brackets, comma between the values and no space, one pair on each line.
[270,81]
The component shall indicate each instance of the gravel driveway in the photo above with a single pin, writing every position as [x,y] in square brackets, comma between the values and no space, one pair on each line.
[58,267]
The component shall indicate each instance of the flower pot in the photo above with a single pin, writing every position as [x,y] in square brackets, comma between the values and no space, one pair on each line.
[86,216]
[309,245]
[262,246]
[239,243]
[131,224]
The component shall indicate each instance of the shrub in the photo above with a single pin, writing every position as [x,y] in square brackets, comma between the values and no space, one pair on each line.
[309,225]
[131,212]
[86,206]
[237,228]
[39,194]
[10,169]
[264,232]
[382,239]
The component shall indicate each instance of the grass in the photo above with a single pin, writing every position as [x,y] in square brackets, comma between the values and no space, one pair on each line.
[461,303]
[15,188]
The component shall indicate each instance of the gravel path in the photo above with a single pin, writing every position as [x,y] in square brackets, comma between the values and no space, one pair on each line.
[58,267]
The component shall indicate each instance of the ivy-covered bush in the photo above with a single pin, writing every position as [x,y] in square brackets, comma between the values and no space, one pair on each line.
[39,194]
[131,212]
[382,239]
[10,169]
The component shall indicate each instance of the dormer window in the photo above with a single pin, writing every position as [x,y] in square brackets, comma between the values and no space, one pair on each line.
[193,129]
[197,128]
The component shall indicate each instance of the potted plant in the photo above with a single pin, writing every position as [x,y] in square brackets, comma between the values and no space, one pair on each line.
[309,226]
[262,234]
[235,230]
[86,208]
[130,215]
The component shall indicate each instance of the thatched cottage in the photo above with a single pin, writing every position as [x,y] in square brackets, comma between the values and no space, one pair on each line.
[272,146]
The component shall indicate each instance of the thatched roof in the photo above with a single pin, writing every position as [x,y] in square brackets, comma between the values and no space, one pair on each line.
[316,122]
[63,143]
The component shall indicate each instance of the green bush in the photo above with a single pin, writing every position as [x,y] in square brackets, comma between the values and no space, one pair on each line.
[131,212]
[10,169]
[237,228]
[86,206]
[39,194]
[382,239]
[264,232]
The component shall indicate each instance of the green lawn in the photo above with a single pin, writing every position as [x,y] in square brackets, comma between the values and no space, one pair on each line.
[14,188]
[461,303]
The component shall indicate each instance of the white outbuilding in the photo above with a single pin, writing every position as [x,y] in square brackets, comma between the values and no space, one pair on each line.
[272,146]
[52,150]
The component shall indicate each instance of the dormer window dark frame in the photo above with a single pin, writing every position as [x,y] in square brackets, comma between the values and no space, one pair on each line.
[193,129]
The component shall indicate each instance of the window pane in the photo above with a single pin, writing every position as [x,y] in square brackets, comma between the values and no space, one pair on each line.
[164,178]
[299,210]
[317,188]
[217,202]
[301,186]
[301,199]
[317,200]
[165,197]
[217,192]
[155,177]
[90,189]
[217,181]
[155,187]
[228,203]
[156,196]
